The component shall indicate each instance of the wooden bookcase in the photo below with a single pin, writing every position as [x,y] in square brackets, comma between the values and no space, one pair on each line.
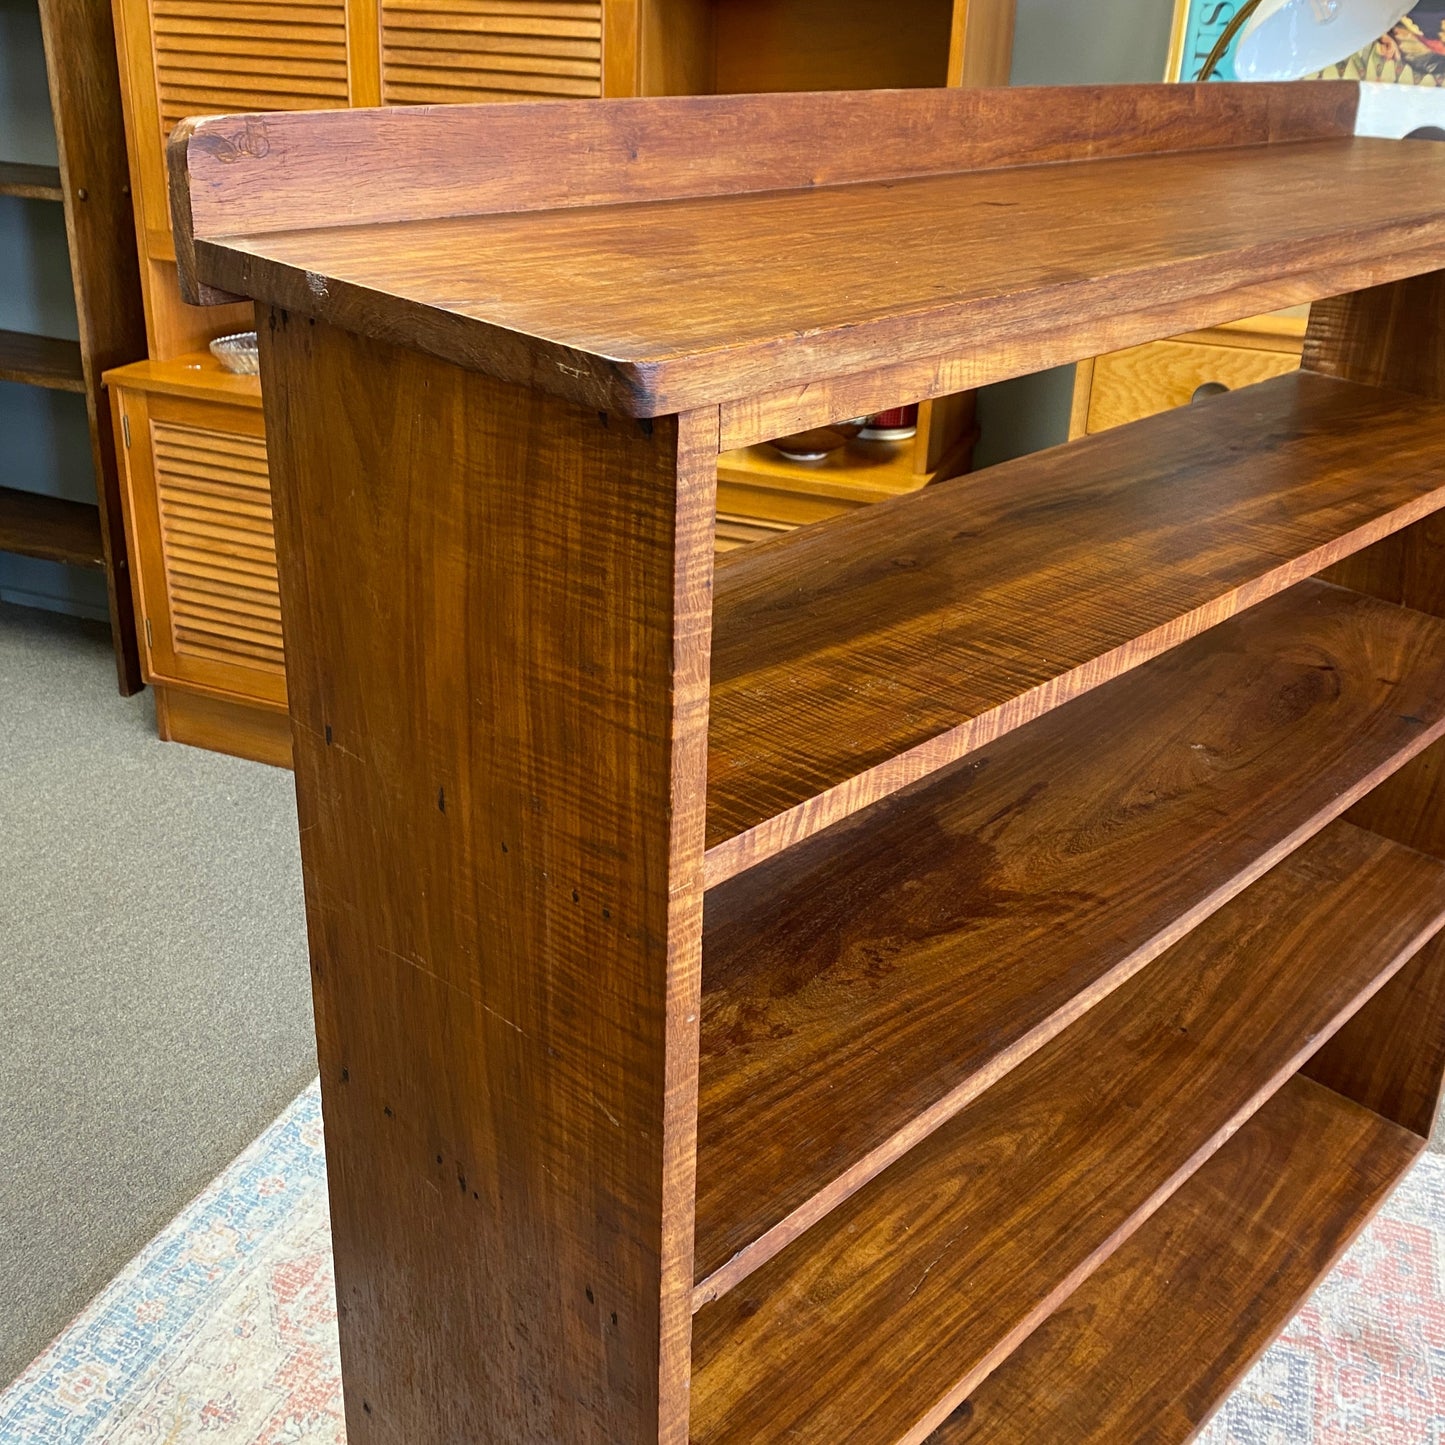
[962,970]
[198,504]
[90,184]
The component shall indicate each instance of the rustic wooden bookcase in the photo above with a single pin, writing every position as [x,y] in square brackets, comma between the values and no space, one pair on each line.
[959,971]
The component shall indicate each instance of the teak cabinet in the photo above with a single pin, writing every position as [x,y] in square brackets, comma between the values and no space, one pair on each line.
[960,971]
[197,509]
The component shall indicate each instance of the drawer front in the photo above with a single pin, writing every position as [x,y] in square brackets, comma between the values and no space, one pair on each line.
[1143,380]
[203,546]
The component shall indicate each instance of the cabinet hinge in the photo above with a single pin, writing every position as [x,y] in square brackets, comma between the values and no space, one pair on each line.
[125,429]
[150,640]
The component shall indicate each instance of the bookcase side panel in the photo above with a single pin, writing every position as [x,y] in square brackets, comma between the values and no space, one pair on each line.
[1391,1056]
[495,611]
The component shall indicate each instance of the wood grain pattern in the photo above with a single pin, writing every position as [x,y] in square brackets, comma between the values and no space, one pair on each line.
[80,63]
[1390,335]
[1154,1340]
[243,728]
[976,1234]
[639,149]
[778,411]
[1410,807]
[48,361]
[49,527]
[1143,380]
[856,657]
[480,159]
[496,614]
[858,991]
[1392,1058]
[616,314]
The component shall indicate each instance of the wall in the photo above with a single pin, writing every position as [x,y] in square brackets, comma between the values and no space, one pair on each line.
[1067,42]
[44,438]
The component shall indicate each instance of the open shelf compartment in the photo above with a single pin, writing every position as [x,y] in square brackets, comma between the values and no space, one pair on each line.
[863,653]
[861,988]
[1154,1340]
[976,1234]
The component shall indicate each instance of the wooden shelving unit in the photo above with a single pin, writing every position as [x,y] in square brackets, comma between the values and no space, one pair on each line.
[962,970]
[50,527]
[91,184]
[46,361]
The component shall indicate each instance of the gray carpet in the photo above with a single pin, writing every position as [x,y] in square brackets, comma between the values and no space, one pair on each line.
[154,1000]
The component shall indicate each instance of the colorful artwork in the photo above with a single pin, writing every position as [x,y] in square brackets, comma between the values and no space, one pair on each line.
[1412,53]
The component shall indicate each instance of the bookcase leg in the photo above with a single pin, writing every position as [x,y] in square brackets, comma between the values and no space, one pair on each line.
[1391,1055]
[497,625]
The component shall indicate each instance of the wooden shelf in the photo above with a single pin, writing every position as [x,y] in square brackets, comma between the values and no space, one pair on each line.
[857,656]
[197,374]
[32,182]
[676,335]
[1152,1342]
[50,527]
[860,989]
[981,1229]
[41,361]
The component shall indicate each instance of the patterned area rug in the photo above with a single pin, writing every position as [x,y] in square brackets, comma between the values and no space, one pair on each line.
[223,1330]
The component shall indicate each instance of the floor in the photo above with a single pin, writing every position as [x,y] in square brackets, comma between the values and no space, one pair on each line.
[155,1005]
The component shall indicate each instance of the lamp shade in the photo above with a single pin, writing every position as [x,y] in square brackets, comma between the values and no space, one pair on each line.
[1285,39]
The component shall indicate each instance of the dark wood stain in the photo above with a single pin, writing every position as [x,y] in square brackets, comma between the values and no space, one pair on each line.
[865,985]
[1137,1353]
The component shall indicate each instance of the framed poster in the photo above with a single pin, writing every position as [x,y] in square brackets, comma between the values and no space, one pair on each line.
[1412,53]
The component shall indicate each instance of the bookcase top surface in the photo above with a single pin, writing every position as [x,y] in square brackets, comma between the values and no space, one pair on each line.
[630,295]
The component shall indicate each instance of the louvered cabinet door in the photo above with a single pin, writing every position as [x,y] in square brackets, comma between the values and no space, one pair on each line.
[449,51]
[204,549]
[209,57]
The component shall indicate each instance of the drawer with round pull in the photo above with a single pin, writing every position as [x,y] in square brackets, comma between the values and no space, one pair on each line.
[1146,379]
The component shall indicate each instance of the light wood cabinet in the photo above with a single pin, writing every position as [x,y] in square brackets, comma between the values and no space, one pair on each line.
[189,57]
[1140,381]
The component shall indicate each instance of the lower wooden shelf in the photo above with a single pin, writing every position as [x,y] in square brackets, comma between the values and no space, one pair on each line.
[863,987]
[41,361]
[1154,1340]
[875,1323]
[51,528]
